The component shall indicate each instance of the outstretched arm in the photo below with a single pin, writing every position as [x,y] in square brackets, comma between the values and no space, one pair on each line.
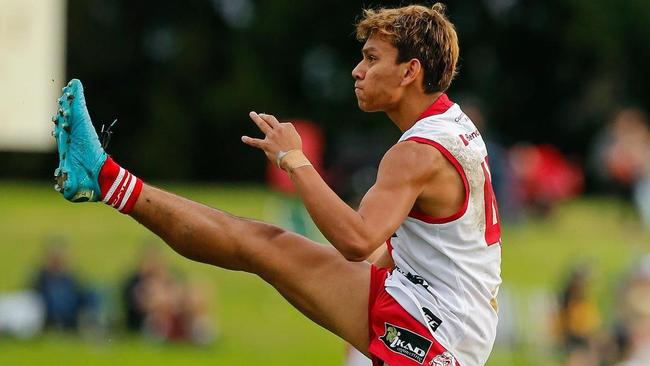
[402,176]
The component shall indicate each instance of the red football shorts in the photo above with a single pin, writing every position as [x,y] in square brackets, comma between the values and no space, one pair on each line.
[396,337]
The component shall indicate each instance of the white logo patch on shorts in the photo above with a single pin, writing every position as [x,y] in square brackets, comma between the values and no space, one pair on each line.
[443,359]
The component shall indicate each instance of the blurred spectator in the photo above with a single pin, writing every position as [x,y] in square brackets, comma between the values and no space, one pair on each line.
[195,307]
[354,163]
[62,294]
[151,266]
[162,307]
[579,319]
[634,309]
[313,145]
[501,174]
[545,176]
[622,153]
[160,296]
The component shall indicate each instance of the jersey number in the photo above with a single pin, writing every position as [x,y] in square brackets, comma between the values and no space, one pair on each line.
[492,221]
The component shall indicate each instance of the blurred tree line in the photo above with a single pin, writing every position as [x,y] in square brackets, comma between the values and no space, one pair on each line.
[181,76]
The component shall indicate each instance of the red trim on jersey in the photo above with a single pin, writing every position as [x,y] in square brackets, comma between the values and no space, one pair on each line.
[441,105]
[442,220]
[390,247]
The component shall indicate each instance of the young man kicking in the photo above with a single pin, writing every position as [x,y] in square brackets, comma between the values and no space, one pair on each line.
[432,210]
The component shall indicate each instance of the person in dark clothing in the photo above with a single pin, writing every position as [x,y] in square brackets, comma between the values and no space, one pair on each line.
[61,293]
[151,266]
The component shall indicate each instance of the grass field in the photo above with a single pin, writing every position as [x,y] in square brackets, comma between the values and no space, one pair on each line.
[257,325]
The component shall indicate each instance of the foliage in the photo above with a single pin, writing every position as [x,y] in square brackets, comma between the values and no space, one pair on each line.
[181,76]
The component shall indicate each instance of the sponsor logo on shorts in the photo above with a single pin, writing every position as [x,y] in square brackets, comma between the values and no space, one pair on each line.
[405,342]
[443,359]
[434,321]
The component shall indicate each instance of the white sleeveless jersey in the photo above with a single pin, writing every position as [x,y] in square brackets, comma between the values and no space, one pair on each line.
[447,271]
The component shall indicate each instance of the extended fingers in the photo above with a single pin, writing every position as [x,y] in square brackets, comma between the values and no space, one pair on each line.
[261,123]
[270,119]
[250,141]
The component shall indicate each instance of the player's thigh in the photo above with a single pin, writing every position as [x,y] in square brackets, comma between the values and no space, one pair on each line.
[319,282]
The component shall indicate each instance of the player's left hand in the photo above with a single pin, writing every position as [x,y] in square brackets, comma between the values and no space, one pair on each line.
[277,136]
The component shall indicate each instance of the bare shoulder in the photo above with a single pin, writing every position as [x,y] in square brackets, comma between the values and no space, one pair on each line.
[413,159]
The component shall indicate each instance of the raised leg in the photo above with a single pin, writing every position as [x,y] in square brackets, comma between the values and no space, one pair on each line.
[315,278]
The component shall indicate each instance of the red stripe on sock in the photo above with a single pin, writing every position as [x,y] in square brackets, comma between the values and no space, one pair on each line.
[134,196]
[111,199]
[119,197]
[107,176]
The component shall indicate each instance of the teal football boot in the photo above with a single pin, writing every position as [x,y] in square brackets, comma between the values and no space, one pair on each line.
[81,155]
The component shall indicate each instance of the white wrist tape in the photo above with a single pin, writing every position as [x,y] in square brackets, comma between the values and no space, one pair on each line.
[291,160]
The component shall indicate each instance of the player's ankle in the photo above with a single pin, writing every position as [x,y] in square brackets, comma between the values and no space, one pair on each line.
[120,189]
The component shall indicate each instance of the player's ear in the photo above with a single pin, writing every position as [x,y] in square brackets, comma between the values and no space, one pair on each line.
[412,69]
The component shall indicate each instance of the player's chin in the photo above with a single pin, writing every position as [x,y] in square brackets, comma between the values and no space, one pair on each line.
[364,106]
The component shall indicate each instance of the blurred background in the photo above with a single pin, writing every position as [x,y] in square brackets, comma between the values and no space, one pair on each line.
[557,87]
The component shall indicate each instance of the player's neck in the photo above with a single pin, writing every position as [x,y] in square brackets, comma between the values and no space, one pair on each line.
[406,112]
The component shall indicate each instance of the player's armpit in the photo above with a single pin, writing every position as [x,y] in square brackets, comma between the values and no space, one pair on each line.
[381,258]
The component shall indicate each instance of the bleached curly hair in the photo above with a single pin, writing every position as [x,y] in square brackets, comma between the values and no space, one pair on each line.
[417,32]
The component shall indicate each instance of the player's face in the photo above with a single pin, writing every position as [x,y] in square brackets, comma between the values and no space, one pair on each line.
[378,76]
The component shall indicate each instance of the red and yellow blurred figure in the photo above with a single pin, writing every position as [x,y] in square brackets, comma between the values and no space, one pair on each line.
[293,212]
[313,146]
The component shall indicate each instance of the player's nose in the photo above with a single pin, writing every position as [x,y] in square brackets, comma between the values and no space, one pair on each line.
[357,72]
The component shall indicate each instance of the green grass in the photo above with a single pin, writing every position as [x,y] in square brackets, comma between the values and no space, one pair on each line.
[257,325]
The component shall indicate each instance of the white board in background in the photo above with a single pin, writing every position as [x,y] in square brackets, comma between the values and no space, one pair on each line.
[32,62]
